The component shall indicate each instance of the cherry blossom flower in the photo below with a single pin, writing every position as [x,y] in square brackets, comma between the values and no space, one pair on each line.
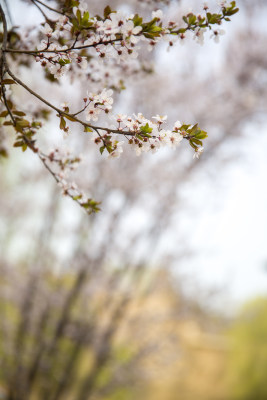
[92,113]
[199,36]
[96,138]
[129,31]
[173,139]
[118,150]
[198,152]
[160,118]
[216,34]
[177,126]
[157,14]
[47,30]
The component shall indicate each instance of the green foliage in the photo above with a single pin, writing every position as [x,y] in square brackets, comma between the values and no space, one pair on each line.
[248,356]
[91,206]
[145,130]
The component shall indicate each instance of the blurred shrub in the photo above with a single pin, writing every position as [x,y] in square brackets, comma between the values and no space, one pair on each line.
[248,358]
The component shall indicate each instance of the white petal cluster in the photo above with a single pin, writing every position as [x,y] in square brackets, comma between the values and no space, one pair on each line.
[199,36]
[58,59]
[97,103]
[198,152]
[216,34]
[114,37]
[118,150]
[157,14]
[140,141]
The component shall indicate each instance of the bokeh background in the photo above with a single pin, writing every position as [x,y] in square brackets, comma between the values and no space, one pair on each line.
[161,295]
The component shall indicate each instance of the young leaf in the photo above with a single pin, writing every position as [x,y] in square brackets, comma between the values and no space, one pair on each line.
[8,82]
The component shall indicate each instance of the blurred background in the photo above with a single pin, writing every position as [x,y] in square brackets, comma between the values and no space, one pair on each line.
[163,294]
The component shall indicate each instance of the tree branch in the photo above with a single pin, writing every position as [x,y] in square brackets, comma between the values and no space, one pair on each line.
[38,52]
[41,11]
[48,7]
[64,113]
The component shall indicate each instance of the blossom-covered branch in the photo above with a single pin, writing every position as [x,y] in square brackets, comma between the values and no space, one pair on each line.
[78,43]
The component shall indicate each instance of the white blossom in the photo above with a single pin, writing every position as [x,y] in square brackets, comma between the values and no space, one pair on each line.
[177,126]
[160,118]
[216,34]
[129,31]
[92,113]
[198,152]
[118,150]
[199,36]
[157,14]
[173,139]
[47,30]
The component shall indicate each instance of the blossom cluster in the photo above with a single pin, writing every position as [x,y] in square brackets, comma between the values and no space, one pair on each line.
[65,164]
[95,103]
[103,48]
[116,35]
[111,74]
[145,135]
[57,58]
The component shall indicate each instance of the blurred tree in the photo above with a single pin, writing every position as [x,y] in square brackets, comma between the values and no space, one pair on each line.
[56,344]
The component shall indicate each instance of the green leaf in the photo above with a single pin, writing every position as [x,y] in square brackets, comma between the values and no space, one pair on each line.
[75,23]
[191,19]
[79,15]
[22,123]
[196,141]
[109,148]
[213,18]
[91,206]
[19,113]
[69,117]
[107,11]
[88,129]
[102,148]
[232,12]
[181,30]
[78,197]
[146,129]
[19,143]
[63,61]
[36,124]
[201,135]
[3,114]
[62,124]
[192,144]
[184,127]
[137,20]
[85,17]
[7,82]
[155,29]
[194,129]
[3,152]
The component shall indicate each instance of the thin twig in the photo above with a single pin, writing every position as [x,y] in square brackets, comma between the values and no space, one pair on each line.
[48,7]
[42,12]
[64,113]
[34,52]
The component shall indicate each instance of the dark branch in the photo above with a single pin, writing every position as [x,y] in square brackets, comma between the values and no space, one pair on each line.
[48,7]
